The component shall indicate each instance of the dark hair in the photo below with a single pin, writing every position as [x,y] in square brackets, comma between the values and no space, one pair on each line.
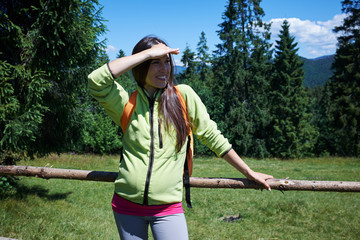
[170,109]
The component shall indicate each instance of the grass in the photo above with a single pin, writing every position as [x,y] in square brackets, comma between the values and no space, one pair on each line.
[70,209]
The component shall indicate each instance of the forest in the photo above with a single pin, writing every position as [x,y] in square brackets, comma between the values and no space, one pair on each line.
[255,93]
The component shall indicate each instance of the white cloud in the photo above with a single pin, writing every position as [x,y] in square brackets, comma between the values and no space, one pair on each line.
[178,62]
[314,38]
[111,49]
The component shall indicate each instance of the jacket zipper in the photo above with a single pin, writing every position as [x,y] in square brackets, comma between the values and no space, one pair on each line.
[160,135]
[148,176]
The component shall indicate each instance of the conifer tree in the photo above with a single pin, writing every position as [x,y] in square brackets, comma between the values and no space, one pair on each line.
[203,57]
[47,49]
[344,87]
[320,101]
[204,74]
[241,69]
[188,59]
[290,132]
[201,85]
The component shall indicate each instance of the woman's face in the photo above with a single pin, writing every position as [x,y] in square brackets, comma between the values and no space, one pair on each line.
[158,74]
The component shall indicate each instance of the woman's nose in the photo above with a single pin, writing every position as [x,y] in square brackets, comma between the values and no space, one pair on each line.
[164,67]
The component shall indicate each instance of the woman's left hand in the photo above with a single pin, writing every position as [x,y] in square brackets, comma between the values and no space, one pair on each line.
[233,158]
[260,178]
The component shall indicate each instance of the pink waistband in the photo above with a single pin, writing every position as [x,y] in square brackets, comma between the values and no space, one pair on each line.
[123,206]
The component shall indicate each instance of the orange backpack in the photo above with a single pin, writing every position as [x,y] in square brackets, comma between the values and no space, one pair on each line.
[188,166]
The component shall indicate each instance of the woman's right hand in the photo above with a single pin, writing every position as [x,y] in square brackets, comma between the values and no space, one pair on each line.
[160,50]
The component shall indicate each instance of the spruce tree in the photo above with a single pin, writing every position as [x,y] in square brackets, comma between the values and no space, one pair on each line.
[344,86]
[188,76]
[290,132]
[241,70]
[47,49]
[204,74]
[201,85]
[320,97]
[203,57]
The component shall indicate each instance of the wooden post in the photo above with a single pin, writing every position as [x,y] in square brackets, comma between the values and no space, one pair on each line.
[276,184]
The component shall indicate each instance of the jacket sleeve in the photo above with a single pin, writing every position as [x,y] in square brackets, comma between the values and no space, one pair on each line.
[205,128]
[107,92]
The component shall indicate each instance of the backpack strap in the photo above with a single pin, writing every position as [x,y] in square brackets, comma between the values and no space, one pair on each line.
[190,150]
[186,176]
[188,166]
[128,111]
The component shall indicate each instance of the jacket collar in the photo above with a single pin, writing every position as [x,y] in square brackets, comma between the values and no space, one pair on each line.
[144,94]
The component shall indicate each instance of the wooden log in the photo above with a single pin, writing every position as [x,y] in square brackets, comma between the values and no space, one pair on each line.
[243,183]
[46,173]
[277,184]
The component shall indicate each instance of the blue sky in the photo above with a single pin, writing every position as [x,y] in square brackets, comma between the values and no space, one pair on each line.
[180,23]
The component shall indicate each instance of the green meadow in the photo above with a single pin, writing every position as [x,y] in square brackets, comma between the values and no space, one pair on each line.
[72,209]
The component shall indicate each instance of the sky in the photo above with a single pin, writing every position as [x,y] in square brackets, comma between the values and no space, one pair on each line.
[180,23]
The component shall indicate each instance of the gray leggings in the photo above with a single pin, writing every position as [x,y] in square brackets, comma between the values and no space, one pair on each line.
[163,227]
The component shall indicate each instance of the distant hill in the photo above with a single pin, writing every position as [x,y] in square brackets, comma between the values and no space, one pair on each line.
[317,70]
[179,69]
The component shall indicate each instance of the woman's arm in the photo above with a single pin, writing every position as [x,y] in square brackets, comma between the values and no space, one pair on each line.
[233,158]
[124,64]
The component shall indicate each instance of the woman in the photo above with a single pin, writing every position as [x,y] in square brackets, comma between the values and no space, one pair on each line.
[148,190]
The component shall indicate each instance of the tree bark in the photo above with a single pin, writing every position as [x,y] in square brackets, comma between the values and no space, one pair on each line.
[197,182]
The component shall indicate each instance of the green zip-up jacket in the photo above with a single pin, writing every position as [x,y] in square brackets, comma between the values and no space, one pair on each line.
[151,171]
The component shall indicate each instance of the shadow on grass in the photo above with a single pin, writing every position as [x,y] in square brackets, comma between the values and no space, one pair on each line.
[22,192]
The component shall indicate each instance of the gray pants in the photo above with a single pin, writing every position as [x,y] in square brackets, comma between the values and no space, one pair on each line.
[163,227]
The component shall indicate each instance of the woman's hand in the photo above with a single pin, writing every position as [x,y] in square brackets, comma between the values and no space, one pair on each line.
[233,158]
[260,178]
[160,50]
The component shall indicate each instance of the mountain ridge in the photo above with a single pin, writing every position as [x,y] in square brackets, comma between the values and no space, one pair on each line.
[316,70]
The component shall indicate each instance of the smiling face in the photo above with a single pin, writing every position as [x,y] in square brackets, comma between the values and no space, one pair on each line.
[158,74]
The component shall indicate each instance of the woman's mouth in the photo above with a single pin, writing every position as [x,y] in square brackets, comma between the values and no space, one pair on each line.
[162,77]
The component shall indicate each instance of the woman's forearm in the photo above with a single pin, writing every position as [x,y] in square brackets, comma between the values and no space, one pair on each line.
[122,65]
[234,160]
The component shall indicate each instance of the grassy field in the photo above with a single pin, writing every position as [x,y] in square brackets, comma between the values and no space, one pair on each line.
[71,209]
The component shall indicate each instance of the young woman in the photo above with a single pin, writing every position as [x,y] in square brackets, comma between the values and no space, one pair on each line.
[148,190]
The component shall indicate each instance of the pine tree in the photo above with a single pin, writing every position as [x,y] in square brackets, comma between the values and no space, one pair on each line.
[47,49]
[344,87]
[188,76]
[203,57]
[241,71]
[201,85]
[204,74]
[291,134]
[320,97]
